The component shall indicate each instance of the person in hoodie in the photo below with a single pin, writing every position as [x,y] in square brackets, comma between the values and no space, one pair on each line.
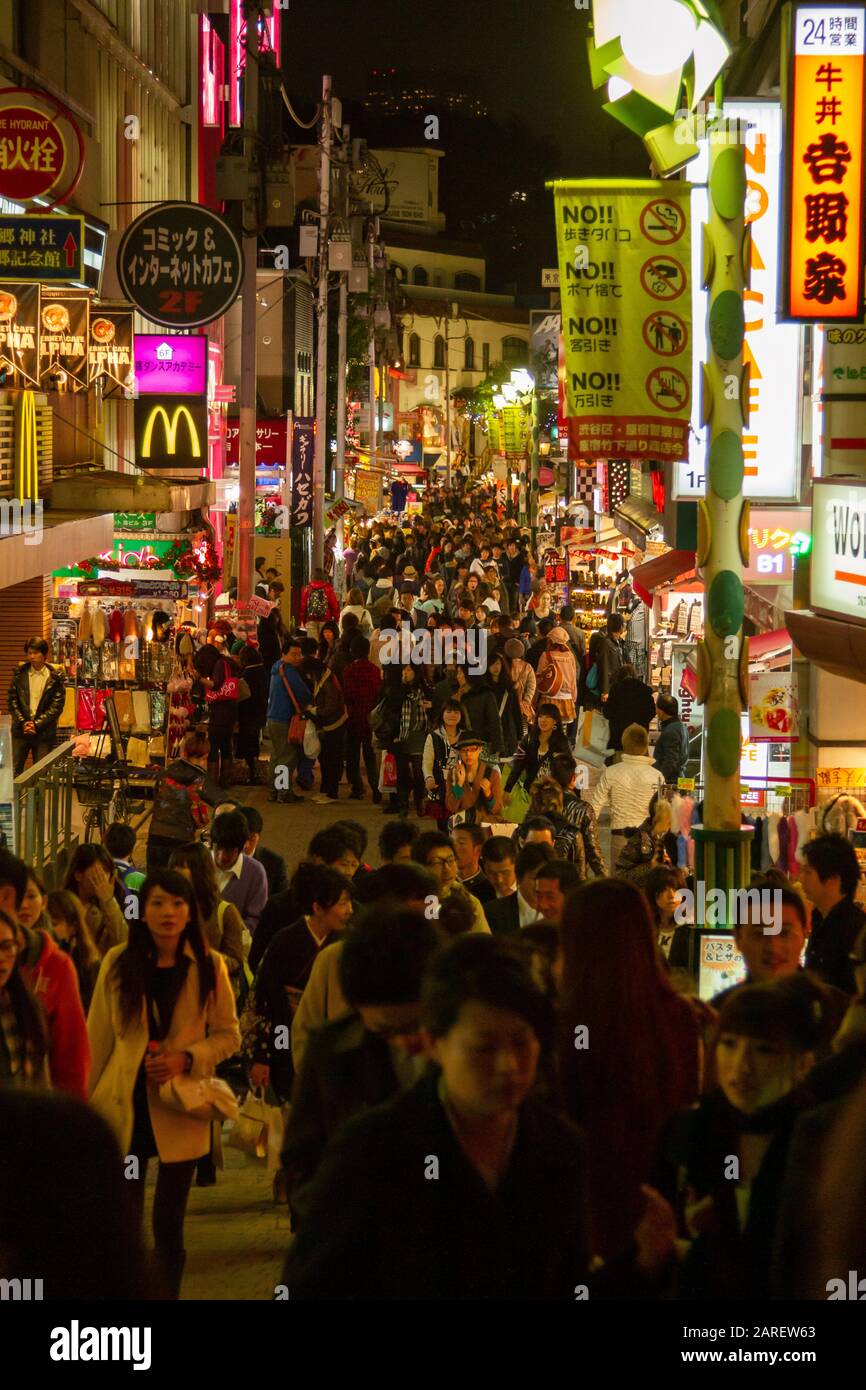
[50,976]
[672,745]
[318,603]
[181,800]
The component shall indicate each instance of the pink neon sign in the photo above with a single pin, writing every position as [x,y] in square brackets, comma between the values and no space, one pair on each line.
[237,51]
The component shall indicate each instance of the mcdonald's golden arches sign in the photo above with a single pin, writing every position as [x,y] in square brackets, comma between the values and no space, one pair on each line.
[171,432]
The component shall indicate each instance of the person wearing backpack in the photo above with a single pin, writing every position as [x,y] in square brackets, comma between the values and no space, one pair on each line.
[182,800]
[318,603]
[556,679]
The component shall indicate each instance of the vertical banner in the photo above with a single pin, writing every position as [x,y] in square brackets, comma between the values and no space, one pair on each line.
[628,371]
[772,348]
[19,334]
[823,226]
[302,473]
[229,543]
[110,355]
[774,712]
[65,340]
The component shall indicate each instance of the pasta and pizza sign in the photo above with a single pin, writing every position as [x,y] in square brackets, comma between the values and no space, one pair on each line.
[823,260]
[625,284]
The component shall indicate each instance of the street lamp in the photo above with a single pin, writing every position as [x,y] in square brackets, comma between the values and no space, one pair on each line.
[658,60]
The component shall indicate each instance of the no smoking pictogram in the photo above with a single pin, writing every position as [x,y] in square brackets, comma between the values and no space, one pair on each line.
[662,222]
[663,277]
[665,332]
[667,389]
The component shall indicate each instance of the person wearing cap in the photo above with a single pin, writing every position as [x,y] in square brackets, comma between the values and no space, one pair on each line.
[473,789]
[556,678]
[723,1161]
[672,745]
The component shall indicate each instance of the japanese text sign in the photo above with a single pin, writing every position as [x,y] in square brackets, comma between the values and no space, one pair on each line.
[775,538]
[110,355]
[64,340]
[628,373]
[271,444]
[41,148]
[180,265]
[825,165]
[170,365]
[41,248]
[302,473]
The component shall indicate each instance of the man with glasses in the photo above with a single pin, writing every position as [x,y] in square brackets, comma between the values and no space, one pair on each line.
[434,851]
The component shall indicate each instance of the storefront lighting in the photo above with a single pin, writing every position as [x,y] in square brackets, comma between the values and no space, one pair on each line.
[499,401]
[509,392]
[522,380]
[657,61]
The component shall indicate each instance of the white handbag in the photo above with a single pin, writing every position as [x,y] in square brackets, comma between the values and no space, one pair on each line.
[312,745]
[208,1098]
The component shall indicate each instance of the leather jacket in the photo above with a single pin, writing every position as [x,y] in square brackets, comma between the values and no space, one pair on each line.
[50,705]
[582,817]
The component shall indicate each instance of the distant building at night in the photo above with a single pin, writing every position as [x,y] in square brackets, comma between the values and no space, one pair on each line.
[401,92]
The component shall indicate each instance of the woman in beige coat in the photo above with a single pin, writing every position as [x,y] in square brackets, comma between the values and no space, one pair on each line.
[163,1007]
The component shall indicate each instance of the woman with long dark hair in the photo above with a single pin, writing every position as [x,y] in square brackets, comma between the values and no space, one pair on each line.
[24,1035]
[630,1053]
[92,877]
[535,752]
[440,756]
[507,701]
[69,928]
[162,1008]
[220,921]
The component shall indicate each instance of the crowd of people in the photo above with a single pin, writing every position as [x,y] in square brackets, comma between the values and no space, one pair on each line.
[492,1073]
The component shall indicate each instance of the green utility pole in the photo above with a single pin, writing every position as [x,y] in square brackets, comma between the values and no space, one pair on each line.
[723,848]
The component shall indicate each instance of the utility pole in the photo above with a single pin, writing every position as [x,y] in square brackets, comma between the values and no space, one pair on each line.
[249,303]
[342,332]
[371,243]
[321,443]
[447,399]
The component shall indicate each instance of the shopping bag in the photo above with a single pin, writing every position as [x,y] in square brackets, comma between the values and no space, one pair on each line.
[276,1134]
[311,745]
[250,1130]
[208,1098]
[518,805]
[388,773]
[595,732]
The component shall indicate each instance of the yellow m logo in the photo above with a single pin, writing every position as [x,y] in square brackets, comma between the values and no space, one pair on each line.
[27,448]
[171,428]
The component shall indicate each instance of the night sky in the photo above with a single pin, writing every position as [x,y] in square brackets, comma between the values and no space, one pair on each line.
[529,57]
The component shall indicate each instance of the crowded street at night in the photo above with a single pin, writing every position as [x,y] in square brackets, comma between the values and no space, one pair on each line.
[432,665]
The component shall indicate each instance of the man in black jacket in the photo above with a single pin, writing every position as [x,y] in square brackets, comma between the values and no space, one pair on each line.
[35,701]
[830,876]
[506,915]
[370,1055]
[672,745]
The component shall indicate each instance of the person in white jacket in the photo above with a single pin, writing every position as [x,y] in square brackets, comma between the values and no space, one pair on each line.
[627,787]
[162,1008]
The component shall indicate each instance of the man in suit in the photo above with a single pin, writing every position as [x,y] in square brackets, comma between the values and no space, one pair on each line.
[508,914]
[240,879]
[373,1053]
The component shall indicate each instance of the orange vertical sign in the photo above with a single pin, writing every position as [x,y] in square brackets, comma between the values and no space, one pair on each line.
[826,164]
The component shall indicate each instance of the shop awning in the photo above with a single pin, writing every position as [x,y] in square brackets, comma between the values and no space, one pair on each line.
[638,519]
[63,535]
[664,569]
[831,643]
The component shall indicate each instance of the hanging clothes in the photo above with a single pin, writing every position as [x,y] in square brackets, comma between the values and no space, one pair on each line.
[99,627]
[793,840]
[115,624]
[781,860]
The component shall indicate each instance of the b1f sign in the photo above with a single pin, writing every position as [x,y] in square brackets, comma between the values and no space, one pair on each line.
[823,222]
[771,444]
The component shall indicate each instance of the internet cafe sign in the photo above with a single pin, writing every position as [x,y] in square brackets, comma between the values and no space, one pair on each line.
[839,548]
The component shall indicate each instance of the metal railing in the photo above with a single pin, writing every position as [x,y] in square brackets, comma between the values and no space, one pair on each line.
[42,810]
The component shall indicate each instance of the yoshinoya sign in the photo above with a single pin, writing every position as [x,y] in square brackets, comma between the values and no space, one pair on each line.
[181,265]
[169,364]
[838,572]
[823,218]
